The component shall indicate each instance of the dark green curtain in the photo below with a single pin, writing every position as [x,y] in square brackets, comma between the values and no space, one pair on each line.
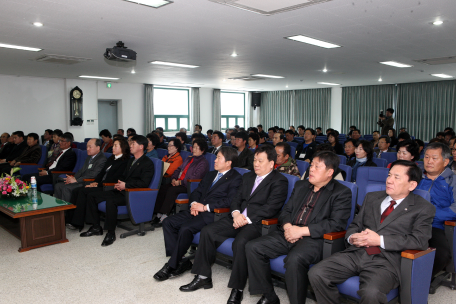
[362,105]
[276,109]
[426,108]
[312,108]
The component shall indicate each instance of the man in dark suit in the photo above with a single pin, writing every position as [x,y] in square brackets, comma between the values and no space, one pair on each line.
[138,174]
[306,149]
[383,146]
[318,205]
[216,190]
[4,140]
[386,122]
[92,166]
[260,197]
[388,222]
[18,149]
[31,154]
[245,155]
[217,142]
[65,161]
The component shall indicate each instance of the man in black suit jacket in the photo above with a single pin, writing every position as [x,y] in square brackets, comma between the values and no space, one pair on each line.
[389,222]
[216,190]
[260,197]
[246,156]
[217,142]
[306,149]
[18,149]
[64,162]
[31,154]
[138,174]
[318,205]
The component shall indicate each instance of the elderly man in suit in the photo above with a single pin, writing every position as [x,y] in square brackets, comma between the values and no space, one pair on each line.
[318,205]
[261,196]
[388,222]
[216,190]
[138,174]
[92,166]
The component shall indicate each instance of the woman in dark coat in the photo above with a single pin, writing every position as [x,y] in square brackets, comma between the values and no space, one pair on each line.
[364,154]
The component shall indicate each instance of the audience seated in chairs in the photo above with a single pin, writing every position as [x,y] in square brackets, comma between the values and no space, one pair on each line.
[301,130]
[54,150]
[260,196]
[47,138]
[384,143]
[407,150]
[111,172]
[377,238]
[375,138]
[209,135]
[254,141]
[349,148]
[19,147]
[306,149]
[107,141]
[174,159]
[245,159]
[217,142]
[138,174]
[403,136]
[338,173]
[285,163]
[65,161]
[302,224]
[153,141]
[355,134]
[271,132]
[7,144]
[364,153]
[392,136]
[121,132]
[289,135]
[333,139]
[130,132]
[3,140]
[31,154]
[93,164]
[216,190]
[278,138]
[182,137]
[194,167]
[440,182]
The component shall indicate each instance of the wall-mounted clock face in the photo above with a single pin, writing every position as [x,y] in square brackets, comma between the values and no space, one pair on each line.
[76,94]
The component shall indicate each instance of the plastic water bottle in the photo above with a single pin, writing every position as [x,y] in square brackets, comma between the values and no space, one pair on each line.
[34,190]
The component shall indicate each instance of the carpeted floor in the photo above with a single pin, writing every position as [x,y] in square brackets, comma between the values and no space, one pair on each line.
[82,271]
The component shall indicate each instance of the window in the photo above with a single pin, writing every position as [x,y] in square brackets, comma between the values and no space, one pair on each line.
[171,107]
[232,109]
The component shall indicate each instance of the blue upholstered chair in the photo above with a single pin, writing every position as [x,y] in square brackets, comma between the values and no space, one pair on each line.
[302,167]
[185,154]
[343,159]
[292,144]
[33,168]
[293,151]
[380,162]
[348,170]
[389,156]
[369,175]
[140,204]
[162,153]
[210,158]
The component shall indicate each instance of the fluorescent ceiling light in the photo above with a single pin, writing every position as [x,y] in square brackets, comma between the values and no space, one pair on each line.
[442,75]
[38,24]
[18,47]
[325,70]
[151,3]
[187,84]
[180,65]
[266,76]
[99,77]
[396,64]
[329,83]
[438,22]
[305,39]
[380,79]
[234,54]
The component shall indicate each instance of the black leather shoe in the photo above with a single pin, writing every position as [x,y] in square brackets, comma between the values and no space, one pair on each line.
[74,227]
[92,231]
[164,273]
[109,239]
[183,267]
[196,284]
[263,300]
[236,296]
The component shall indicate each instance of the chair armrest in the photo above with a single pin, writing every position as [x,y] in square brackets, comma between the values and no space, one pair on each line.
[269,222]
[450,223]
[88,180]
[334,235]
[109,184]
[414,254]
[269,225]
[193,180]
[221,213]
[29,164]
[139,189]
[182,201]
[221,210]
[41,169]
[63,172]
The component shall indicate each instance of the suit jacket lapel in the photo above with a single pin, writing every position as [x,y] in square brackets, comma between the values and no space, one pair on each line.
[377,209]
[398,211]
[323,199]
[263,184]
[133,168]
[223,179]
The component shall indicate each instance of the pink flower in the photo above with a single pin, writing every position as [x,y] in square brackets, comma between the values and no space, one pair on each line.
[4,188]
[18,180]
[4,192]
[9,190]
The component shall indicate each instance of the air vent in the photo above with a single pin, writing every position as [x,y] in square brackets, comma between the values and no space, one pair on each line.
[269,7]
[61,59]
[437,61]
[247,78]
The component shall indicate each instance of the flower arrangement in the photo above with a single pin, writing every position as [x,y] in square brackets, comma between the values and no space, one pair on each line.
[11,186]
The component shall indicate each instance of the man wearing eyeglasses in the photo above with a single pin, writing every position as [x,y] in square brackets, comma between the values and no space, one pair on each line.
[64,162]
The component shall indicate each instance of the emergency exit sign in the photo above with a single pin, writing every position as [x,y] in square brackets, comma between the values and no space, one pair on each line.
[108,85]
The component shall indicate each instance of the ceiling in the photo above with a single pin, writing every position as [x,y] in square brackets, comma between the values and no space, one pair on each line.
[204,33]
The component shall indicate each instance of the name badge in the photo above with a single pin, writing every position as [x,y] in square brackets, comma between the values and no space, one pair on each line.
[90,166]
[302,155]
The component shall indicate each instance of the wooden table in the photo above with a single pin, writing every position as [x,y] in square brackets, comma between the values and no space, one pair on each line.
[35,224]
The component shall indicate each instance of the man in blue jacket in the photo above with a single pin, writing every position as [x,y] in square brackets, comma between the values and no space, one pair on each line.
[440,181]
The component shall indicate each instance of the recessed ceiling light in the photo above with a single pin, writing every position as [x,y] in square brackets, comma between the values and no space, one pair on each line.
[99,77]
[437,22]
[396,64]
[180,65]
[266,76]
[133,72]
[38,24]
[325,70]
[329,83]
[442,75]
[18,47]
[286,86]
[320,43]
[234,54]
[380,79]
[151,3]
[224,79]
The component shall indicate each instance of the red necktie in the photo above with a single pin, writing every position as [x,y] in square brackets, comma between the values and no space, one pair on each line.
[387,211]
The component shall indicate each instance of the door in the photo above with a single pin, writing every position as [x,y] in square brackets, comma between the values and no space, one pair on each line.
[107,115]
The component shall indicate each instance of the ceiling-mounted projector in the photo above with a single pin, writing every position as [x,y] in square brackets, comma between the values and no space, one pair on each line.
[120,53]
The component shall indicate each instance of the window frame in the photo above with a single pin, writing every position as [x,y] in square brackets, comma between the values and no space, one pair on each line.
[236,117]
[178,117]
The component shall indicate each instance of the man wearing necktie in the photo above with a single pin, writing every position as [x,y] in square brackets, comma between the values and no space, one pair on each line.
[388,222]
[216,190]
[261,196]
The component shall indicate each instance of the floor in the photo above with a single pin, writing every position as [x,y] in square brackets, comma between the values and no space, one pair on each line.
[82,271]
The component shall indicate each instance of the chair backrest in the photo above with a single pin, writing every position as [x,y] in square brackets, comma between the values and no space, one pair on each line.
[343,159]
[380,162]
[80,159]
[188,146]
[292,144]
[291,183]
[82,146]
[211,159]
[108,155]
[300,139]
[253,150]
[367,176]
[302,166]
[185,154]
[158,173]
[354,190]
[43,155]
[293,151]
[321,139]
[389,156]
[241,171]
[162,153]
[368,137]
[87,139]
[420,165]
[348,170]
